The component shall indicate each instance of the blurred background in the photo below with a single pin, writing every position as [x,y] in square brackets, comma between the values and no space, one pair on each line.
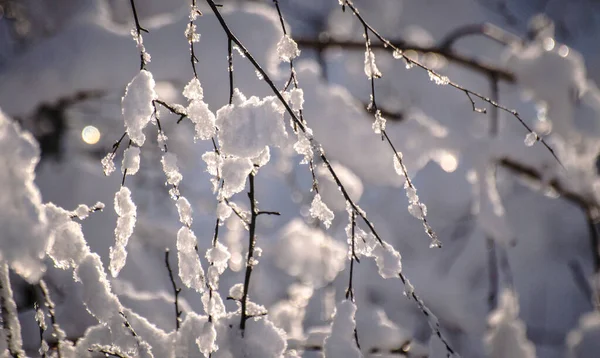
[509,216]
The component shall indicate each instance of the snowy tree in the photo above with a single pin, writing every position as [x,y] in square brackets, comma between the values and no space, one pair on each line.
[299,178]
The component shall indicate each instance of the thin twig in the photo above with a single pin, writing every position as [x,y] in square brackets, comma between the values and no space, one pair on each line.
[139,29]
[250,257]
[58,332]
[176,292]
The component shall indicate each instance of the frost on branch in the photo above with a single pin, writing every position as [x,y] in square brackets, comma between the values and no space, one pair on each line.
[127,212]
[190,268]
[108,164]
[341,341]
[23,221]
[583,341]
[287,49]
[319,210]
[137,106]
[309,254]
[506,336]
[248,125]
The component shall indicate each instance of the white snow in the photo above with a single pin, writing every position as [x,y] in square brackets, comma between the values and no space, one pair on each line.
[131,160]
[287,49]
[248,125]
[171,169]
[24,236]
[184,208]
[371,69]
[234,173]
[127,213]
[319,210]
[190,268]
[137,105]
[341,342]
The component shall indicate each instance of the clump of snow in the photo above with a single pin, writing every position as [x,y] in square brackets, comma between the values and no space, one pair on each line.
[379,124]
[234,173]
[97,295]
[287,49]
[190,33]
[218,256]
[531,138]
[506,336]
[131,160]
[304,146]
[388,260]
[237,291]
[223,211]
[371,69]
[169,163]
[248,125]
[24,236]
[341,342]
[297,98]
[185,211]
[202,117]
[319,210]
[190,268]
[213,304]
[137,105]
[127,212]
[69,247]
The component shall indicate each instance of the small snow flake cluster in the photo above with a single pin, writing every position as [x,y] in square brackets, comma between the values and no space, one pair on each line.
[287,49]
[319,210]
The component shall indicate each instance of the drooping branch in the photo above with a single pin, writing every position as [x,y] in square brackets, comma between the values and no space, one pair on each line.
[398,53]
[451,55]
